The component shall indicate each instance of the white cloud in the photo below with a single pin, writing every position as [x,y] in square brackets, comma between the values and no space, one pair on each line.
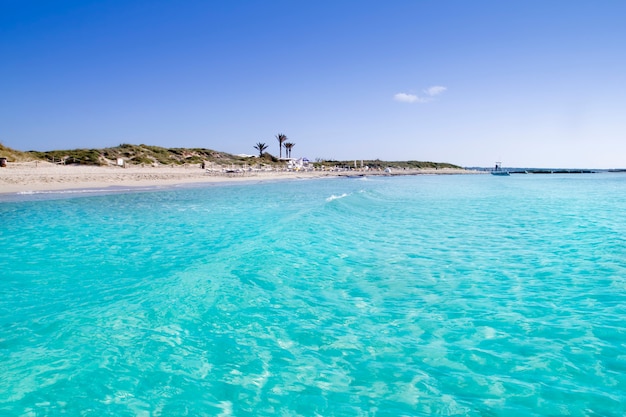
[435,90]
[430,92]
[406,98]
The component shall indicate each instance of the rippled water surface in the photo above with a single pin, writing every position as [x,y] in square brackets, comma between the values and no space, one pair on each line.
[447,295]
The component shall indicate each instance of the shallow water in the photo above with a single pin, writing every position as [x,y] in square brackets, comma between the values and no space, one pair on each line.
[449,295]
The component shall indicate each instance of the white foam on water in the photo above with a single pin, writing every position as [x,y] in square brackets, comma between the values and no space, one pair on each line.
[337,197]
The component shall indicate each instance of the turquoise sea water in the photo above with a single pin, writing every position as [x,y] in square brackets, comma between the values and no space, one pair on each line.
[394,296]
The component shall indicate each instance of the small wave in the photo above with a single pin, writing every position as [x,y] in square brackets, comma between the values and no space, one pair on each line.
[336,197]
[62,192]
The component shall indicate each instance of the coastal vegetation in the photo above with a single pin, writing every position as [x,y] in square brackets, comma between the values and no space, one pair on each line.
[379,164]
[159,156]
[13,155]
[130,154]
[281,139]
[288,147]
[260,146]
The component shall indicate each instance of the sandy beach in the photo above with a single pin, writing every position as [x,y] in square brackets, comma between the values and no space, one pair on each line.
[41,176]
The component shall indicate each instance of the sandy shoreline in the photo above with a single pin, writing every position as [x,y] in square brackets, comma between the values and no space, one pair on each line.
[30,177]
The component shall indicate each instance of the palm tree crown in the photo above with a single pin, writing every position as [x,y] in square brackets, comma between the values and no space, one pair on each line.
[260,147]
[288,146]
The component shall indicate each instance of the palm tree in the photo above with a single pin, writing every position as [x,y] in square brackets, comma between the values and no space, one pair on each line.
[261,147]
[281,139]
[288,146]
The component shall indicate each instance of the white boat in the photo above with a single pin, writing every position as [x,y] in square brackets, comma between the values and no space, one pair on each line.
[499,171]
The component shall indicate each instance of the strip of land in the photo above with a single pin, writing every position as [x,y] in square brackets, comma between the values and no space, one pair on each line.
[32,176]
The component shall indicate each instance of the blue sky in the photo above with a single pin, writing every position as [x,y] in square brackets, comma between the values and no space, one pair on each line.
[531,83]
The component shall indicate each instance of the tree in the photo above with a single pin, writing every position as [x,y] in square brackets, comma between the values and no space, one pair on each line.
[281,139]
[260,147]
[288,146]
